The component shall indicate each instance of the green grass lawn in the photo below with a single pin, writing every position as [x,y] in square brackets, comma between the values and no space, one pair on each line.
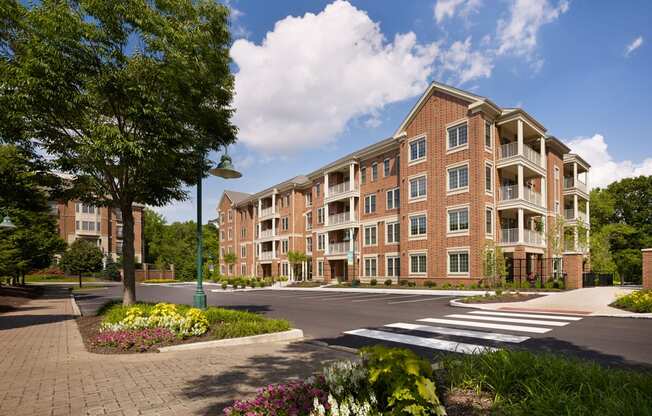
[160,281]
[85,289]
[56,278]
[524,383]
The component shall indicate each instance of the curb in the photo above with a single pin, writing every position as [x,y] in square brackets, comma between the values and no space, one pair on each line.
[431,292]
[456,303]
[75,308]
[291,335]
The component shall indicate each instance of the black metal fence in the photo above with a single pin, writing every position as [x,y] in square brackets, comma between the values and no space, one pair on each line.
[539,272]
[592,279]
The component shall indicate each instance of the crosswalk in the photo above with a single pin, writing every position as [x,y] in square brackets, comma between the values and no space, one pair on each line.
[468,333]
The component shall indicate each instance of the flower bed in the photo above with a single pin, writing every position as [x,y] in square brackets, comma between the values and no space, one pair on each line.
[639,301]
[385,381]
[499,297]
[146,327]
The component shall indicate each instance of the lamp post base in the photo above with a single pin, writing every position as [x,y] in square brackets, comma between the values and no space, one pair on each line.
[199,300]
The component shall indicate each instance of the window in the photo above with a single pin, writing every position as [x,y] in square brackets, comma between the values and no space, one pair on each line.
[221,234]
[287,200]
[118,248]
[308,200]
[488,178]
[285,269]
[386,167]
[284,223]
[489,220]
[309,221]
[393,198]
[320,215]
[243,232]
[230,234]
[370,235]
[309,244]
[418,263]
[393,266]
[119,230]
[458,262]
[556,190]
[284,246]
[418,187]
[321,242]
[393,232]
[370,204]
[374,171]
[457,136]
[370,269]
[320,268]
[458,220]
[230,215]
[363,175]
[458,178]
[318,189]
[418,225]
[243,251]
[243,269]
[418,149]
[487,134]
[397,168]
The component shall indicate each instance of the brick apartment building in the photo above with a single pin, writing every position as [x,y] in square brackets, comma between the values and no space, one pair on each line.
[458,172]
[100,225]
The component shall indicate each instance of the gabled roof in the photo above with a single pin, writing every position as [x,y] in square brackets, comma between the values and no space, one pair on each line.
[236,197]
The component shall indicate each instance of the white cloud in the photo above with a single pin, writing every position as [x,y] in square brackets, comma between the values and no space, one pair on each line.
[447,8]
[464,63]
[313,74]
[518,34]
[604,169]
[636,43]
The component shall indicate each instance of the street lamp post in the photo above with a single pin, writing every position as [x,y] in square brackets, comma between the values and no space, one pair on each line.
[223,170]
[7,224]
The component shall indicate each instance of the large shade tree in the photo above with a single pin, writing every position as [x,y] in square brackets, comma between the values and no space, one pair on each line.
[128,96]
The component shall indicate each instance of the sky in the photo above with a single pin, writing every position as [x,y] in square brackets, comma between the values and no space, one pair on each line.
[315,80]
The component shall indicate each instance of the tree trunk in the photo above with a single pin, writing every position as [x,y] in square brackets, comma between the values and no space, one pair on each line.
[80,280]
[128,263]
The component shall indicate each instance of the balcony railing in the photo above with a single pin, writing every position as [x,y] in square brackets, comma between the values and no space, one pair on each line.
[569,183]
[266,255]
[266,211]
[341,218]
[569,214]
[509,235]
[266,233]
[510,192]
[338,248]
[511,149]
[532,237]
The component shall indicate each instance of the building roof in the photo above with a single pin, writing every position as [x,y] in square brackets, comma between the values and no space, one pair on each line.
[235,196]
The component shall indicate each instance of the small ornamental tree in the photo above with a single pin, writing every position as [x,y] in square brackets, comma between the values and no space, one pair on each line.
[494,264]
[295,258]
[230,259]
[82,257]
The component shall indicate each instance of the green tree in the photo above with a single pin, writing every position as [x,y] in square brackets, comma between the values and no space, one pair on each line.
[128,96]
[153,230]
[494,264]
[82,257]
[35,240]
[230,259]
[296,258]
[601,258]
[556,234]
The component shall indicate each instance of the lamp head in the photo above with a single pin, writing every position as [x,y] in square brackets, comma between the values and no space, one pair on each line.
[225,169]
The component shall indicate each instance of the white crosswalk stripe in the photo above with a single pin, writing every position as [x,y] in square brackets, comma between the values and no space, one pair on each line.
[527,315]
[488,325]
[460,332]
[431,343]
[511,320]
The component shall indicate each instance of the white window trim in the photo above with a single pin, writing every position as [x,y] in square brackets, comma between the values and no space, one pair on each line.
[409,224]
[418,198]
[399,200]
[457,233]
[491,136]
[386,160]
[324,247]
[457,123]
[457,190]
[387,224]
[285,241]
[364,206]
[421,159]
[320,261]
[374,167]
[364,266]
[416,253]
[389,256]
[490,165]
[452,250]
[493,222]
[364,235]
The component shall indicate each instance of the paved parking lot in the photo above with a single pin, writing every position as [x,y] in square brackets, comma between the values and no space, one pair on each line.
[425,323]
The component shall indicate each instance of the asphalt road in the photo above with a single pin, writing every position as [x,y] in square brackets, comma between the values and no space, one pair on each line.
[421,322]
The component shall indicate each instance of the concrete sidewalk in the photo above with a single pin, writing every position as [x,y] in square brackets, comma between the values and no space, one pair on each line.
[46,369]
[431,292]
[592,301]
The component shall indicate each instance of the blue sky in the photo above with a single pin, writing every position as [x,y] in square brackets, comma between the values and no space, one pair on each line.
[318,79]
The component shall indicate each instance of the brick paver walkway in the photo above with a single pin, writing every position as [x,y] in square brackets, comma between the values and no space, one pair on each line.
[45,370]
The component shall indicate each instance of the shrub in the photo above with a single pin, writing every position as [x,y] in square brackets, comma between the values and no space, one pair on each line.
[373,282]
[236,329]
[430,284]
[224,285]
[461,286]
[499,292]
[388,282]
[355,282]
[412,284]
[473,286]
[447,286]
[638,301]
[402,282]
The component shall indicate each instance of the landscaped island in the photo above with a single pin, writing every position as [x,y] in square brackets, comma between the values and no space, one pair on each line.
[639,301]
[146,327]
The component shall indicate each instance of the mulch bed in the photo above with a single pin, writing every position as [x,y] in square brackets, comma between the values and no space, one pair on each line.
[460,402]
[11,297]
[501,299]
[89,327]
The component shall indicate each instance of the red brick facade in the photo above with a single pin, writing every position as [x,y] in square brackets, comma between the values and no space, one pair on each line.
[479,175]
[647,268]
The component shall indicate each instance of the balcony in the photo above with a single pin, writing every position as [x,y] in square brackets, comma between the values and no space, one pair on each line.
[510,150]
[338,248]
[342,220]
[341,191]
[266,255]
[510,193]
[267,233]
[569,214]
[570,183]
[510,236]
[532,237]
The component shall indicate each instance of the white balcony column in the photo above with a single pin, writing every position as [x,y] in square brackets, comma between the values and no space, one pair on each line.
[544,191]
[588,213]
[519,137]
[576,207]
[351,208]
[326,185]
[326,243]
[519,179]
[351,177]
[274,203]
[273,249]
[544,159]
[575,239]
[260,206]
[351,234]
[273,226]
[326,214]
[521,226]
[574,173]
